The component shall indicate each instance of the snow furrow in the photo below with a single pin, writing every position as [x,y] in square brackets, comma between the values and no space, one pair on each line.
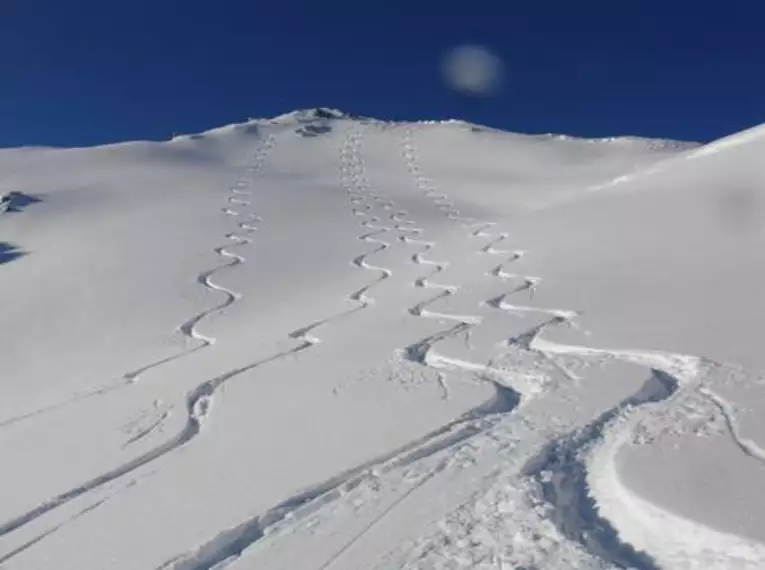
[561,473]
[198,403]
[746,445]
[54,529]
[231,543]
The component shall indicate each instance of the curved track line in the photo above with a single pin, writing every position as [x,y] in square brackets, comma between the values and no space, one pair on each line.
[231,543]
[198,401]
[188,328]
[604,545]
[560,470]
[363,200]
[422,351]
[746,445]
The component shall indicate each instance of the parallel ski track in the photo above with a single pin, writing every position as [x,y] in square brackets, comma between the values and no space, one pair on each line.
[363,199]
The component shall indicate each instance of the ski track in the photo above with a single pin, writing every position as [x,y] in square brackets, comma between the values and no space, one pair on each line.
[230,544]
[747,446]
[188,329]
[420,352]
[363,200]
[81,513]
[199,400]
[558,471]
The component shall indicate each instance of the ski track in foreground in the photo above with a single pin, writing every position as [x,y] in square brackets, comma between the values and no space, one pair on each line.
[559,472]
[550,482]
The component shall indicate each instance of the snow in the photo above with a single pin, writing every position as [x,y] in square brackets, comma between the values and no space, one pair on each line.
[322,341]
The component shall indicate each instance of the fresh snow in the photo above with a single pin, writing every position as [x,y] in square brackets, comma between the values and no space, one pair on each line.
[325,342]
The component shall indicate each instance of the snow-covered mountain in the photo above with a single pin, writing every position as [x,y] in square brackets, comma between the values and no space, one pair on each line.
[330,342]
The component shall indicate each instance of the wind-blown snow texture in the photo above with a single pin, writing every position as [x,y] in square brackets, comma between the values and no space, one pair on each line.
[328,342]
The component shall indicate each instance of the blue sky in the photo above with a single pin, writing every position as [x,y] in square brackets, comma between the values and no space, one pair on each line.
[85,71]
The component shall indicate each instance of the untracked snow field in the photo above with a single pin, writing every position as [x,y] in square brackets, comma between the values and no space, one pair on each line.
[323,342]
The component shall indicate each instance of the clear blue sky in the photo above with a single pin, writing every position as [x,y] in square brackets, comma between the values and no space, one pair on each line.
[89,71]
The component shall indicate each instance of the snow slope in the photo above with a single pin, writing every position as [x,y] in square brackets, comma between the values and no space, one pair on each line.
[328,342]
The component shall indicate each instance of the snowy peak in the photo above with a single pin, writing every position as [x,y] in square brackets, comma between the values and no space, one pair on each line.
[310,115]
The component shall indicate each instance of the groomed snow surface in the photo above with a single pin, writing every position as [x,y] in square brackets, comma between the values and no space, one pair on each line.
[325,342]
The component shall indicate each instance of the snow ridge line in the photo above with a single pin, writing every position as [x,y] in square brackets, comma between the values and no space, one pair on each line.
[188,328]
